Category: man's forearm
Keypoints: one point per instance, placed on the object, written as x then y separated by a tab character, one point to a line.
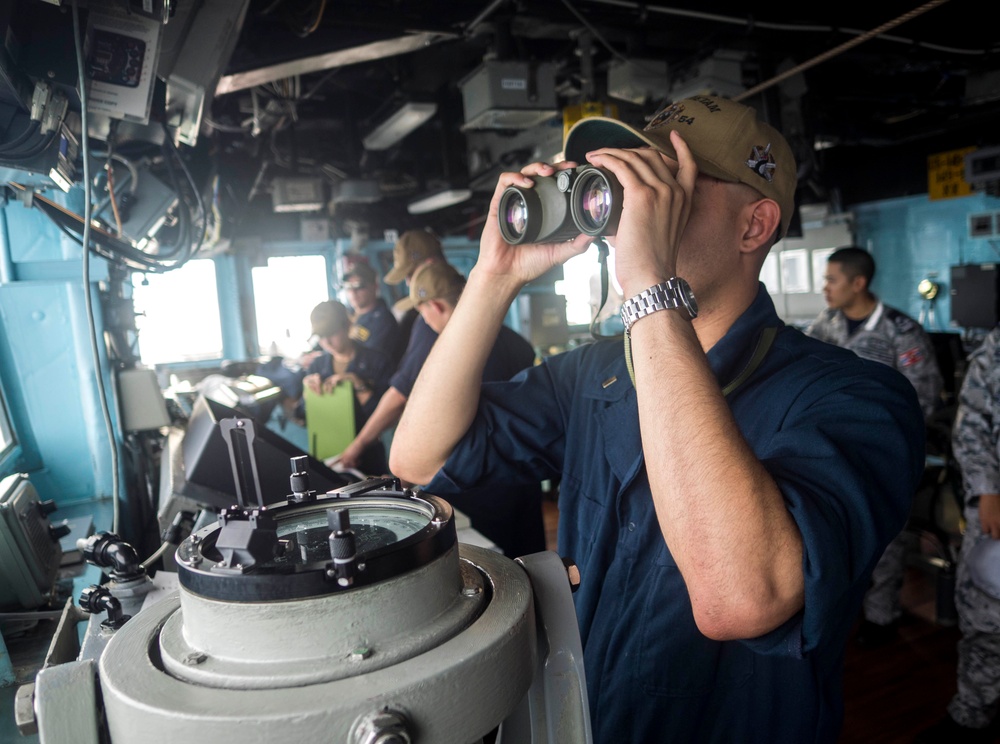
446	394
386	413
721	514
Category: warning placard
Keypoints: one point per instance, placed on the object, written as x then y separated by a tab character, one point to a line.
946	174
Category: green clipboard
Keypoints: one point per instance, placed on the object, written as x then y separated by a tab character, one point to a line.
330	420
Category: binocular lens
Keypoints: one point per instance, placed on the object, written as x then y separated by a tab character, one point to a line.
595	201
515	214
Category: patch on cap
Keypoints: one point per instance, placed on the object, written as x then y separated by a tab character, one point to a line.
762	163
671	112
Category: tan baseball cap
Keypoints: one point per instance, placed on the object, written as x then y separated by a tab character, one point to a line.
432	282
726	138
329	318
412	249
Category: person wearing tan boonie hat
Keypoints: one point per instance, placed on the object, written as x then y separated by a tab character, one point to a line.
413	248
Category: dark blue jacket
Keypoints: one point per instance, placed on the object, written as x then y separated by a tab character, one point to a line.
422	338
843	439
510	517
377	329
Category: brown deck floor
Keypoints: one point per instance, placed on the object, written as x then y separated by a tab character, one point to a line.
894	691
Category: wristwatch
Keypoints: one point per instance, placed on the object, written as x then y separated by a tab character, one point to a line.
673	294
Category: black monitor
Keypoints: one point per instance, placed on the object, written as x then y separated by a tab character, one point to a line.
207	462
975	296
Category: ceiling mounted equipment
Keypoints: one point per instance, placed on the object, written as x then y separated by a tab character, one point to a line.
509	95
297	194
397	125
438	200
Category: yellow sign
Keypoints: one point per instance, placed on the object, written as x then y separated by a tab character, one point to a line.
573	114
946	174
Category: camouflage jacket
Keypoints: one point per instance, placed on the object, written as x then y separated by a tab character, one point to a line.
890	337
976	433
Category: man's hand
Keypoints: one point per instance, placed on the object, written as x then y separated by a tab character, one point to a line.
351	456
332	381
989	514
519	264
658	197
312	382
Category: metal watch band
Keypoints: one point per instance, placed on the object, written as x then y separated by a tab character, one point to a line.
668	295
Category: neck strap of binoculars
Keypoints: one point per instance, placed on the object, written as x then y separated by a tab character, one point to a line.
595	324
764	341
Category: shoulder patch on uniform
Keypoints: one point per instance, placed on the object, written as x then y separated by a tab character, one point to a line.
910	357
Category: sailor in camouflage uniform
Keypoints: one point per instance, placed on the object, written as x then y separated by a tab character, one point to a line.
856	319
976	444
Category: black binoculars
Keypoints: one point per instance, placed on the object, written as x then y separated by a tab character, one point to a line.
584	200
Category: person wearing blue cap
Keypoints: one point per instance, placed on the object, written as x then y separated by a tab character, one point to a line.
726	484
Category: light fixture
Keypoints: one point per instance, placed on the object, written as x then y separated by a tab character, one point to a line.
406	118
438	200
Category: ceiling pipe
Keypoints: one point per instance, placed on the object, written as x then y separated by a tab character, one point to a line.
839	49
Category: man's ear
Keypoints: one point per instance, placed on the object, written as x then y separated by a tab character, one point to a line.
763	219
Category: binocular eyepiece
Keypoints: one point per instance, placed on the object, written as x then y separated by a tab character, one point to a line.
585	200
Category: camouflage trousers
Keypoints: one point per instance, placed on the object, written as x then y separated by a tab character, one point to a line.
975	703
881	604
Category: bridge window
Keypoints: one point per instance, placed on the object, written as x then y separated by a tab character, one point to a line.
285	292
178	314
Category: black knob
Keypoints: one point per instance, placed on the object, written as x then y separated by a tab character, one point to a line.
299	480
343	547
45	508
342	544
58	531
96	598
91	598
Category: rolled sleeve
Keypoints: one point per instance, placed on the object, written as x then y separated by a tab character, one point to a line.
848	482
